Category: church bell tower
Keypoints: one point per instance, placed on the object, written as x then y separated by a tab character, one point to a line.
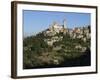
64	24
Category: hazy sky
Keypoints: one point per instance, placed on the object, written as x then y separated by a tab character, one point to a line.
36	21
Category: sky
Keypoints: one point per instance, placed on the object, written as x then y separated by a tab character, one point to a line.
37	21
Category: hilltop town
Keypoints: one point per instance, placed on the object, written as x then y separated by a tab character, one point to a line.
78	32
58	45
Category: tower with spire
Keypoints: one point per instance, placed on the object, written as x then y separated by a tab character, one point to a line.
64	24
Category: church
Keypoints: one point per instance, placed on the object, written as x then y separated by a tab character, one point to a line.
55	27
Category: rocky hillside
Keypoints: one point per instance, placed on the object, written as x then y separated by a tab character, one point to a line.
58	46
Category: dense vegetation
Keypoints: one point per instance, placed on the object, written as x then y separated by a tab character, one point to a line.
38	54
